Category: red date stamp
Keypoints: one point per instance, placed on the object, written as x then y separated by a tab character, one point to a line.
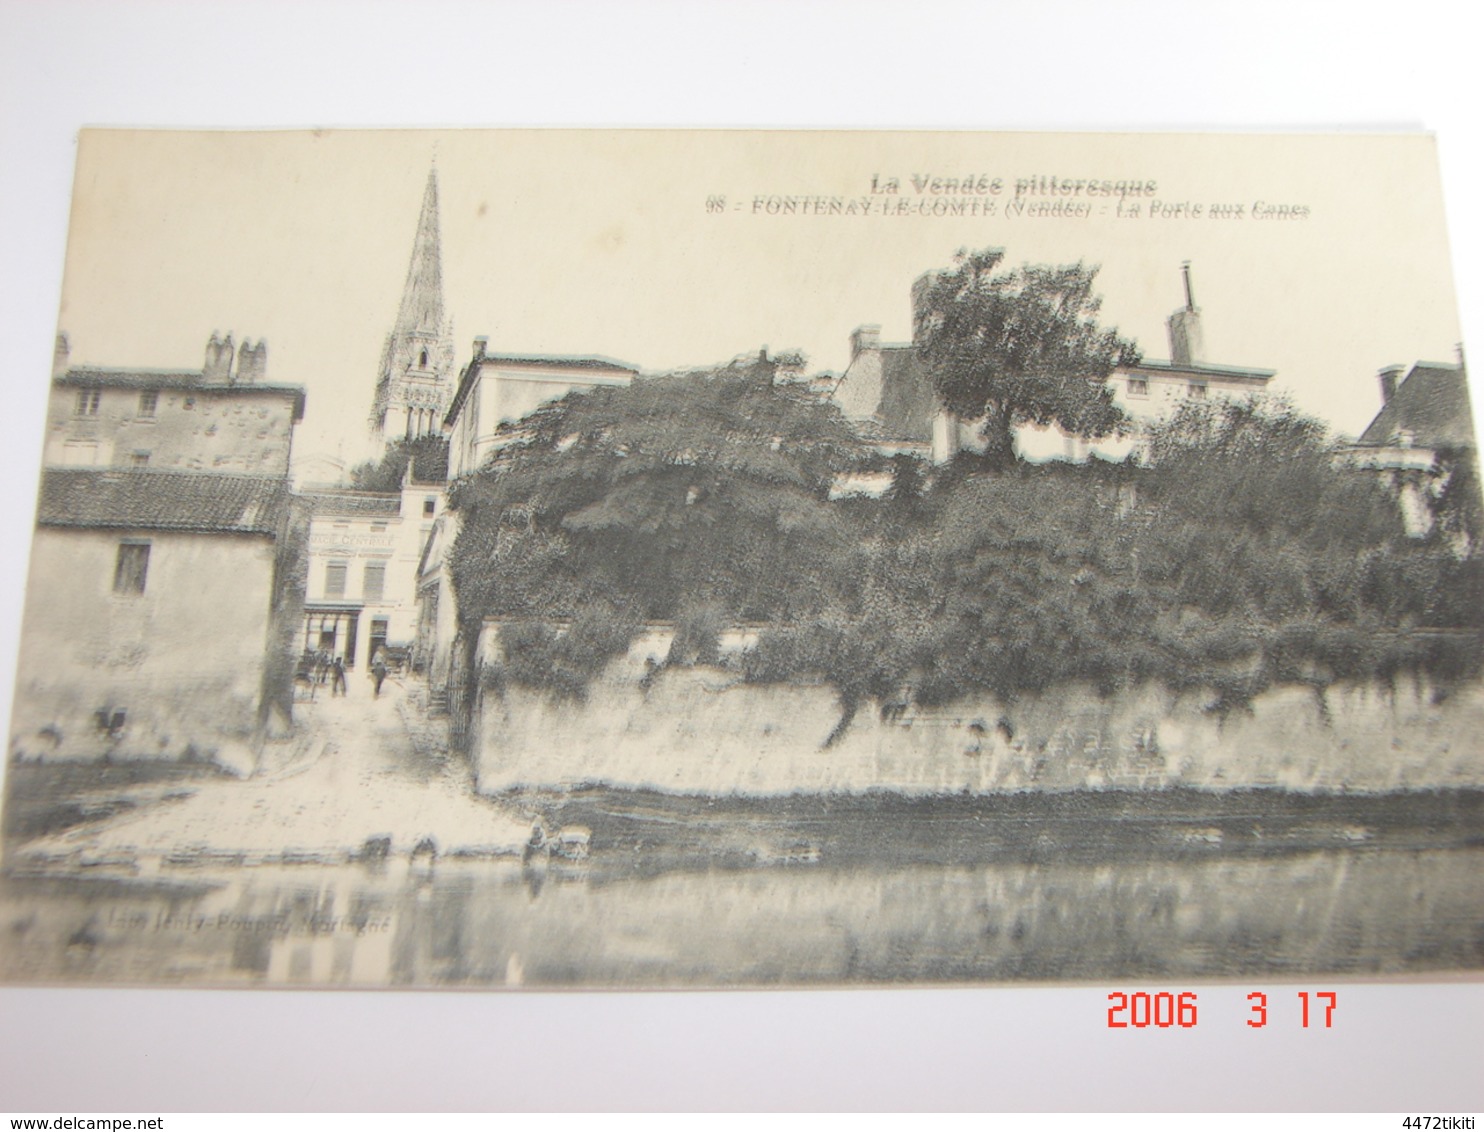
1164	1010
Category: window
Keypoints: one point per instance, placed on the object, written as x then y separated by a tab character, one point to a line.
148	401
1138	387
422	360
131	567
87	402
188	403
80	453
1198	390
139	459
373	584
335	579
430	505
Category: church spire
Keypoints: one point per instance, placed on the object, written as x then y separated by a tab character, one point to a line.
415	384
422	297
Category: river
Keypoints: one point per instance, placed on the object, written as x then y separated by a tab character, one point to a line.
788	895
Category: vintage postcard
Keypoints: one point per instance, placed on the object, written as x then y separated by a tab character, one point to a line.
653	559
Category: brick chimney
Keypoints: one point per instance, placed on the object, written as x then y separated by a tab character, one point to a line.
252	361
1390	378
864	338
218	358
1187	342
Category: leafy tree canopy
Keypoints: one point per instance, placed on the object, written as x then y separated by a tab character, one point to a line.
1016	347
428	456
702	488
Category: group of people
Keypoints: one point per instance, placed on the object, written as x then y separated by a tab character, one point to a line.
323	668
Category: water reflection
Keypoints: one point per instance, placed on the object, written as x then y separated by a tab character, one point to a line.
490	923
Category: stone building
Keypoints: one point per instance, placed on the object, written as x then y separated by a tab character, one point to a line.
166	577
219	418
154	616
888	394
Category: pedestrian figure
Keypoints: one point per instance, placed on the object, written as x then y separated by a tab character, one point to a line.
378	670
337	677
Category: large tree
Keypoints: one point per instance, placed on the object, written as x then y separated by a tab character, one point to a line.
705	489
1016	347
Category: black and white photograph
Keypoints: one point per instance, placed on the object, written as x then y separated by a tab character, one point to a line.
647	559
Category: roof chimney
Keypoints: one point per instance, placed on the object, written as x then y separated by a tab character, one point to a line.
252	361
1187	342
218	358
1390	378
479	347
60	353
864	338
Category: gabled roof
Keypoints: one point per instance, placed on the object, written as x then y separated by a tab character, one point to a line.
152	499
1431	405
908	400
99	377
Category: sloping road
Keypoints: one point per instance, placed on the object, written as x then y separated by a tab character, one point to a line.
353	773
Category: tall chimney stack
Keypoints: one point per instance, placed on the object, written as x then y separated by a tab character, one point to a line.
252	361
61	352
1390	378
864	338
218	358
1187	342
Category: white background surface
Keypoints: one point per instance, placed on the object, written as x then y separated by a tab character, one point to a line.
1260	65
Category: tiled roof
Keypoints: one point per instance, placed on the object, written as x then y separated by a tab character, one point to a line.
354	502
151	499
908	400
98	377
1432	404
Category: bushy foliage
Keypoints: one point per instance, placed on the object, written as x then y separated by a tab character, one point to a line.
1242	554
428	456
702	489
536	654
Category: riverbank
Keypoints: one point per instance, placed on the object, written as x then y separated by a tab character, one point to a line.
359	784
645	832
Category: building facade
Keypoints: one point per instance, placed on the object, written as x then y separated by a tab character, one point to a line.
364	551
164	593
224	417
